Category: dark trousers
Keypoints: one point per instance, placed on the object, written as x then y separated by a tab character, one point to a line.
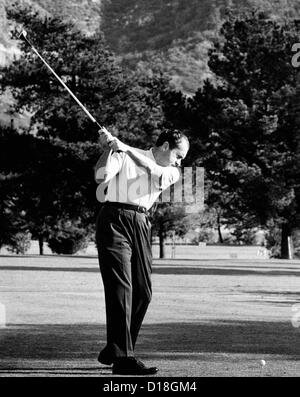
124	247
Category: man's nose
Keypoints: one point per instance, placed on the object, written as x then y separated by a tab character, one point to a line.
178	163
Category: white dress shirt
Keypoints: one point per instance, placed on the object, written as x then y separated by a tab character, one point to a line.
132	184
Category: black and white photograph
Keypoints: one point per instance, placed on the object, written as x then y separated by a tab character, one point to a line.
149	191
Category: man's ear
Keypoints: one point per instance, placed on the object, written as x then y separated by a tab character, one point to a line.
165	146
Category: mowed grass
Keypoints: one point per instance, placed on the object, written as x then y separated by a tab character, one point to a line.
206	318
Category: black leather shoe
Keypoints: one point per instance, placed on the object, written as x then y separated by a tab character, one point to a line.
103	358
131	366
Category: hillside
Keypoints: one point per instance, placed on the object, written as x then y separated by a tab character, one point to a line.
85	13
174	35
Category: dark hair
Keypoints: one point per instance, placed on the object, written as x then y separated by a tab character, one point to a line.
173	137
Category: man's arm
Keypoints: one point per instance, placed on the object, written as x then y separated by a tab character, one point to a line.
101	164
108	165
142	161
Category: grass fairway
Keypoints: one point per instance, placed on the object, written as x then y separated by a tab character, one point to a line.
206	318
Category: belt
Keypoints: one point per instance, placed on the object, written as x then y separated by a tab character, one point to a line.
126	206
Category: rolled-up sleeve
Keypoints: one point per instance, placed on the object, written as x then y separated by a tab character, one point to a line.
104	173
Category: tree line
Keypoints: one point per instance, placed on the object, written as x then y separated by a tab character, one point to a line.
243	127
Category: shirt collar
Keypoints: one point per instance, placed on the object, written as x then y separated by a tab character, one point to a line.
151	154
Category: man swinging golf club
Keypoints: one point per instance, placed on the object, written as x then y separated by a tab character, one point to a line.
130	180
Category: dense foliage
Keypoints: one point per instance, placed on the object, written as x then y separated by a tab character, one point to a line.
247	125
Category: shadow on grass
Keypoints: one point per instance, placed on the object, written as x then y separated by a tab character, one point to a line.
274	293
213	271
170	341
224	272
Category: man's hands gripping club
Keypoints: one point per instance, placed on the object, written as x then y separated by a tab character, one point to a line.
106	139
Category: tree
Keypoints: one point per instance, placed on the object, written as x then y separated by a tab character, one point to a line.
67	237
20	243
42	182
11	211
246	126
169	218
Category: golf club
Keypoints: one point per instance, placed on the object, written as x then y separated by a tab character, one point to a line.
107	133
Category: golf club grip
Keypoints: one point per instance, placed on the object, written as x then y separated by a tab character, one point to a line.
108	135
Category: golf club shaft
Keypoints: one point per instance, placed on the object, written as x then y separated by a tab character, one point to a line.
64	85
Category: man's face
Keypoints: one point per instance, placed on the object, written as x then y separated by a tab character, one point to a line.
172	157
